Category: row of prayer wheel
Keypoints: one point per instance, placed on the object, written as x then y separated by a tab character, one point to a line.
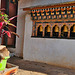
65	29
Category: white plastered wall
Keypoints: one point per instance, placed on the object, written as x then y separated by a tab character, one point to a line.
52	51
59	52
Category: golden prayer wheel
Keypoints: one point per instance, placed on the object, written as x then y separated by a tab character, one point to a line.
41	28
48	29
65	29
56	29
73	29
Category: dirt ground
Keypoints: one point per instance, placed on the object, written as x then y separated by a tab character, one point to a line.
36	68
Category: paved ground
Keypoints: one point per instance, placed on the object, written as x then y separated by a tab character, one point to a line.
35	68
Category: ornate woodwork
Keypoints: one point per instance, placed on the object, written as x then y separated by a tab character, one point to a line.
60	18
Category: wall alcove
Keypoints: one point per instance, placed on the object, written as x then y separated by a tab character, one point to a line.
55	31
72	31
47	31
64	31
40	31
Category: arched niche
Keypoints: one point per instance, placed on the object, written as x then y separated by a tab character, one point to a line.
47	31
55	31
64	31
40	31
72	31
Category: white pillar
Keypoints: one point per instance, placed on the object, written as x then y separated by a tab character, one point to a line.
20	31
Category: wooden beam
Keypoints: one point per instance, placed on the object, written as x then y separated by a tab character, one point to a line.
25	9
51	6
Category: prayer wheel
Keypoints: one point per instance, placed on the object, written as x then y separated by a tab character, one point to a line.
41	28
56	29
73	29
48	29
65	29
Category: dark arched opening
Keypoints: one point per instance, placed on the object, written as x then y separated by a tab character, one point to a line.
47	31
55	31
40	31
64	31
72	31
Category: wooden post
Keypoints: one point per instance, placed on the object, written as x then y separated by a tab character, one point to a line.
43	32
59	32
51	32
32	33
36	31
33	28
69	33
